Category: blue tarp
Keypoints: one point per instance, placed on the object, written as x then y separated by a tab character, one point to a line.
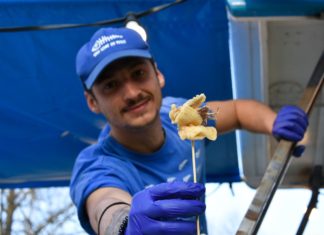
44	119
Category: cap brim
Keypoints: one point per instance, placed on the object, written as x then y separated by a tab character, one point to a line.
111	58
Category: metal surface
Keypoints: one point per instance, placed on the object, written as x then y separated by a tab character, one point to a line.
280	160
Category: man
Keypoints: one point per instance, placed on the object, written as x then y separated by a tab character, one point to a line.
138	178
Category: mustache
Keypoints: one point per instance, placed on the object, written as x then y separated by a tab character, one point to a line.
132	102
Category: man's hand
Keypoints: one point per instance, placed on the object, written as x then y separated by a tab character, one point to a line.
291	124
158	210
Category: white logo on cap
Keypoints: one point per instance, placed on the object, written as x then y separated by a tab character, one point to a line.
104	42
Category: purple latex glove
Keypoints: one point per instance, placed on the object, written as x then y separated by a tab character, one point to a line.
157	210
291	124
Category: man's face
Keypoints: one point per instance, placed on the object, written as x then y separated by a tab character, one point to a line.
128	93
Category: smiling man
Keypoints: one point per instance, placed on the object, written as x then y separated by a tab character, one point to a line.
138	178
128	93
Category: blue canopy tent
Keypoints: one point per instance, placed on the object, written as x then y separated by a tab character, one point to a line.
44	120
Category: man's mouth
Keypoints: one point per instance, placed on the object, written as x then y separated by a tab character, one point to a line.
138	106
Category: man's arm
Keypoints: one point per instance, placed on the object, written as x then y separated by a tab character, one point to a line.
290	123
243	114
111	218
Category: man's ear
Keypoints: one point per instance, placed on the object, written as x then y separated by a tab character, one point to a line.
92	102
160	77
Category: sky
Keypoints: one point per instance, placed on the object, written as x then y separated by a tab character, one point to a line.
225	211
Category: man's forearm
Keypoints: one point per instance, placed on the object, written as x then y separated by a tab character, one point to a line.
116	221
243	114
255	116
109	215
105	207
110	218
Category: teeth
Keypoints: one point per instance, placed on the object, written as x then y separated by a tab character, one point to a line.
191	119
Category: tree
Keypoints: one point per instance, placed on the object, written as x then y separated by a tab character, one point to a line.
37	212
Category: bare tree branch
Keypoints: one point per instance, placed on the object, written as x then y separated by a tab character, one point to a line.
11	207
37	211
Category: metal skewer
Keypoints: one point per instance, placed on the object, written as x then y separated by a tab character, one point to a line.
194	177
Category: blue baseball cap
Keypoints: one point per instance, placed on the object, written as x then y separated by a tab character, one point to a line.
106	46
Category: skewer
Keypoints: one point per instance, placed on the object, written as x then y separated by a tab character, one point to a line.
186	116
193	152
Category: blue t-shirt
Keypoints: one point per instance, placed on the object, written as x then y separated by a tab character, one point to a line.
109	164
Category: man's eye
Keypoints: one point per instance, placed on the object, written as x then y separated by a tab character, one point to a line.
110	85
139	74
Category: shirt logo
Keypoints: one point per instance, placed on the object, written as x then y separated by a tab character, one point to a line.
186	178
182	164
149	185
171	179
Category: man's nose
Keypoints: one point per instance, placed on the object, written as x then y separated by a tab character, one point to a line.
130	89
